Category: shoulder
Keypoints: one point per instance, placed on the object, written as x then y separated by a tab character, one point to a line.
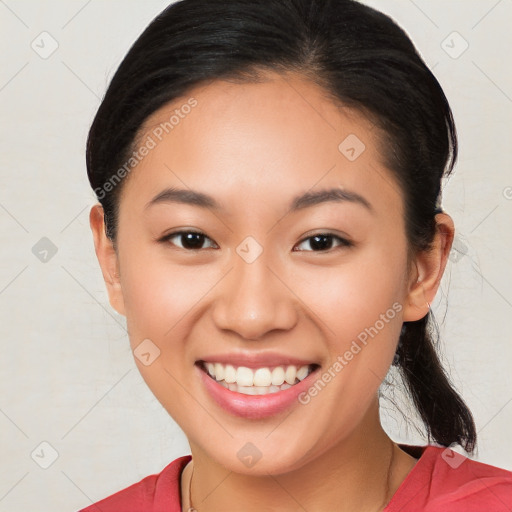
154	493
469	485
445	481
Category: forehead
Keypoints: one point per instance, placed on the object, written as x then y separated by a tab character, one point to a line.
280	136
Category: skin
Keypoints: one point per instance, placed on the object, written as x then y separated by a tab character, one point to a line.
254	147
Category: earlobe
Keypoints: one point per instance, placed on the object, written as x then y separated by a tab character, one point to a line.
107	258
429	268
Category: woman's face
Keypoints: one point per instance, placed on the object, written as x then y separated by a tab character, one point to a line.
303	261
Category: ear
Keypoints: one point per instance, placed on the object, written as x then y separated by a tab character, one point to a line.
428	270
107	257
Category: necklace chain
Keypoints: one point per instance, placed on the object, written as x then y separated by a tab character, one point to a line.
190	507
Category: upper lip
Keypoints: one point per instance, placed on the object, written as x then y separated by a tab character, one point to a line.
256	360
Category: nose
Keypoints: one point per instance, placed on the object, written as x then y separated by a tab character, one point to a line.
253	300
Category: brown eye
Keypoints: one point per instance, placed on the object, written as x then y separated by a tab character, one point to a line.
324	242
189	240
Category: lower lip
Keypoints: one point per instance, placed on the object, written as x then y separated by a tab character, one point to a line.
254	406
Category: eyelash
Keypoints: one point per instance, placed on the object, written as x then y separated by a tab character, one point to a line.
343	241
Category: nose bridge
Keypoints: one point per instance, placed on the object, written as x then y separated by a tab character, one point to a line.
252	300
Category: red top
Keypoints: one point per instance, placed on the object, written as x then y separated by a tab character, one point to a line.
441	481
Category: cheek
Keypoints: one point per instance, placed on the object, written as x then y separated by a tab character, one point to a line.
348	298
163	299
358	305
154	293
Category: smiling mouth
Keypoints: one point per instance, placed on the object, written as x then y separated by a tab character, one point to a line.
256	381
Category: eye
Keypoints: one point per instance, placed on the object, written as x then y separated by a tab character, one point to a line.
322	242
195	240
188	240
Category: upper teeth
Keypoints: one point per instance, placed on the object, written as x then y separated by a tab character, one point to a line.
244	376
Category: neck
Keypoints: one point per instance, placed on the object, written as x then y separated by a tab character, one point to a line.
361	473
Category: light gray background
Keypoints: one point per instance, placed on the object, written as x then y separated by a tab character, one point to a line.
68	376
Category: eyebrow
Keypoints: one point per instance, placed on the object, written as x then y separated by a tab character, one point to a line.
306	200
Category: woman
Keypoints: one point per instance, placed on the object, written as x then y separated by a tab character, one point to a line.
270	224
